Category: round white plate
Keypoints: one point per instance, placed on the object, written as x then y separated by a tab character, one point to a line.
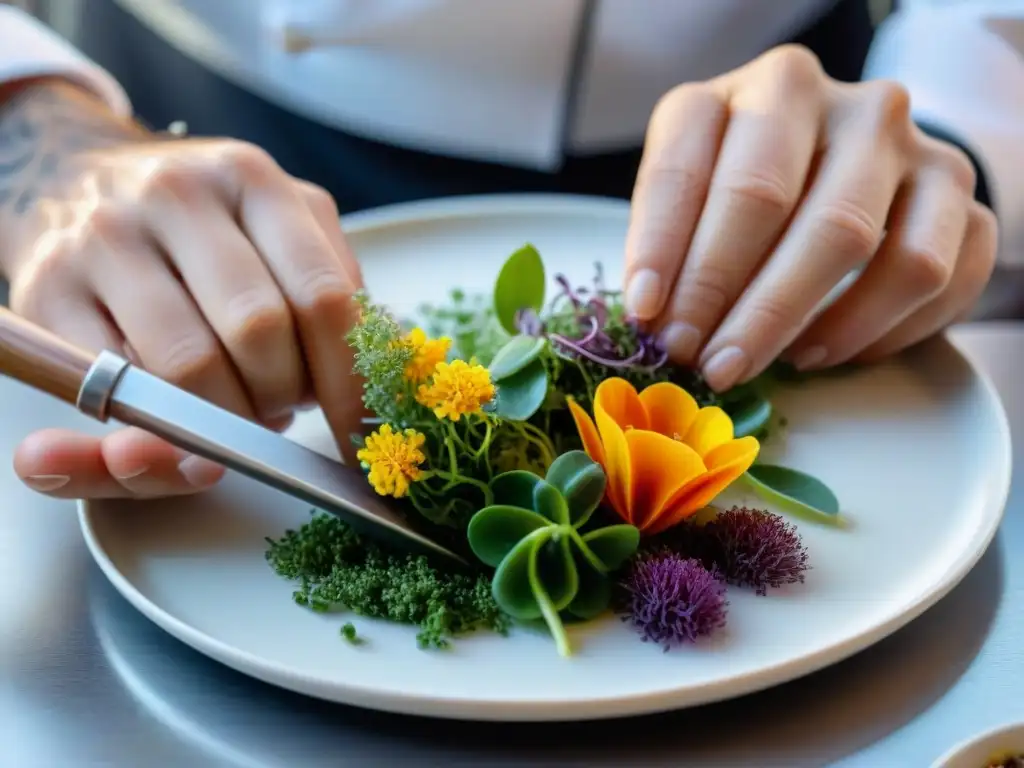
974	752
918	451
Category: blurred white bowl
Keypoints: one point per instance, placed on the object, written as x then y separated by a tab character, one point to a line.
974	752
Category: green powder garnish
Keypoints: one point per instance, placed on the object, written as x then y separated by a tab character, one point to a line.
339	570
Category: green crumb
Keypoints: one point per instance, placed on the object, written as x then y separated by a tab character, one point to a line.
348	631
337	569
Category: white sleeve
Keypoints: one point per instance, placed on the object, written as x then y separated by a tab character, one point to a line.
963	63
28	48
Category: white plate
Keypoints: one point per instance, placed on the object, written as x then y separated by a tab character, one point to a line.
918	451
974	752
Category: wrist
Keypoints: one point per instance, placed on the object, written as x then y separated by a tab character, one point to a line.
49	129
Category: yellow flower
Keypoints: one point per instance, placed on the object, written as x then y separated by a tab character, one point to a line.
664	456
426	354
394	459
456	389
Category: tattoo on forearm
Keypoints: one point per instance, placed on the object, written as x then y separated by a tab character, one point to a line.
44	129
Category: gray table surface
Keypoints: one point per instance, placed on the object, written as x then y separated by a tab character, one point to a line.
86	681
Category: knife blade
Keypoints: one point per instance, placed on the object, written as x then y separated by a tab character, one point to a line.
108	386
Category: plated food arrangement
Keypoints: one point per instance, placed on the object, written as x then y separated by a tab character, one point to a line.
552	442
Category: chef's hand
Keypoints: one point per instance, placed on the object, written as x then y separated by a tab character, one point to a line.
212	268
761	189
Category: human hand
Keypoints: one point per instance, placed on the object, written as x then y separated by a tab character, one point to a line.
761	190
205	263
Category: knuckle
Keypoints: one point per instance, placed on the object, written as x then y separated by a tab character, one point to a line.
248	160
320	200
256	323
887	106
796	66
889	98
926	270
765	190
185	360
848	230
684	99
707	293
110	224
174	179
675	187
953	163
324	295
773	316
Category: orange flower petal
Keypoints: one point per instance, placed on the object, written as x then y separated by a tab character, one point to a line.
616	461
710	428
726	463
670	409
734	452
659	467
588	432
619	400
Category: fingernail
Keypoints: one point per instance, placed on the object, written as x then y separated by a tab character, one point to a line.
198	472
131	475
643	294
281	424
681	341
47	483
725	368
810	357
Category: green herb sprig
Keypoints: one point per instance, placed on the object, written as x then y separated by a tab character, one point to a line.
339	570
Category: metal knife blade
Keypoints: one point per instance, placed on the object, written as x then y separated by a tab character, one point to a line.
114	388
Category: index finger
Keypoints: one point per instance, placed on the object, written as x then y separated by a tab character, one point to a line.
671	186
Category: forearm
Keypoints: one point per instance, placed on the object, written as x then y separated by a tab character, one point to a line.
48	126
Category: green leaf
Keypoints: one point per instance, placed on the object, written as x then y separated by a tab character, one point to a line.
515	488
494	531
557	571
518	353
594	593
795	491
520	285
581	482
511	585
751	417
613	545
547	501
522	394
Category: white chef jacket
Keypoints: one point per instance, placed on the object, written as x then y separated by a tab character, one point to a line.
487	79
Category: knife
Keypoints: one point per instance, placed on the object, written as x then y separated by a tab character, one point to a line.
107	386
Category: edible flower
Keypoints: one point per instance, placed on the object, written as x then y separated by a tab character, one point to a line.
394	460
457	389
755	548
426	354
672	600
664	455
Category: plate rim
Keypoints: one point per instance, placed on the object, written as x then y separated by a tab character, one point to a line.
550	709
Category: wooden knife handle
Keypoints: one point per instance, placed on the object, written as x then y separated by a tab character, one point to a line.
39	359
